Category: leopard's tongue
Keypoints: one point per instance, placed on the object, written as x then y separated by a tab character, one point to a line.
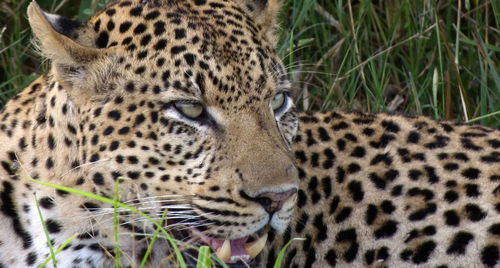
231	251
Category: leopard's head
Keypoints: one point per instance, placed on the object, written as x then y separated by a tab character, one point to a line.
189	101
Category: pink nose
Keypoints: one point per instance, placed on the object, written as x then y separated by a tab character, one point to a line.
273	202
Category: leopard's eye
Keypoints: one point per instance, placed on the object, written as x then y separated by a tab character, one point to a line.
189	110
278	101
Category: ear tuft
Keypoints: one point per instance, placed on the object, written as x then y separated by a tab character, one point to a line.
264	13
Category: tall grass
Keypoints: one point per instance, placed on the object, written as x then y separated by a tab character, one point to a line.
437	58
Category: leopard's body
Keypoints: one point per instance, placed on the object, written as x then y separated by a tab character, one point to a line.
186	104
379	190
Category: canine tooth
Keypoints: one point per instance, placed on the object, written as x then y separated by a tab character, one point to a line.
254	248
224	252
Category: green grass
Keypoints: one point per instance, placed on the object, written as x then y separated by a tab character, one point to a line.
436	58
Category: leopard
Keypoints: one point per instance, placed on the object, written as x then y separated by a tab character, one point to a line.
164	125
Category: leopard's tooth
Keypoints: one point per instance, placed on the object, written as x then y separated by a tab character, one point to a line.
224	252
254	248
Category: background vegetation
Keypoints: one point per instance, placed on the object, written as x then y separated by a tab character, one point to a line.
438	58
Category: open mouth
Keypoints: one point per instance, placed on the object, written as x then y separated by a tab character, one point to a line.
230	251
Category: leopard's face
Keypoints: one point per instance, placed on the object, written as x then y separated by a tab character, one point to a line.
189	101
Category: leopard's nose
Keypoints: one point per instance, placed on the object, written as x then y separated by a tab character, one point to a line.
273	202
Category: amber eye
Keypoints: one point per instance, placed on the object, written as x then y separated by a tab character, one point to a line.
189	110
278	101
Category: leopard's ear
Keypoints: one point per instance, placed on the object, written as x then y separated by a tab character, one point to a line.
264	13
59	38
70	46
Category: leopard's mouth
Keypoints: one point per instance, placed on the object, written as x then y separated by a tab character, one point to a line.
229	251
244	249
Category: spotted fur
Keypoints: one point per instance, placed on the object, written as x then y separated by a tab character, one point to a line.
379	190
368	190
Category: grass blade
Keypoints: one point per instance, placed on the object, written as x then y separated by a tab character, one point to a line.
279	260
204	260
178	254
52	255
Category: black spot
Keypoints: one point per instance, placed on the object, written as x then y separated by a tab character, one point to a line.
159	28
369	256
358	152
388	229
353	168
98	178
371	214
190	58
340	126
51	141
397	190
140	28
390	126
356	190
108	131
387	207
343	214
331	257
160	44
381	158
423	252
451	166
439	142
468	144
30	259
323	134
115	115
494	229
431	174
490	255
451	196
321	227
53	226
379	182
474	212
114	145
406	254
385	139
136	11
49	163
177	49
413	137
152	15
348	235
471	173
451	218
330	158
429	230
102	40
421	214
46	202
180	33
123	130
414	174
472	190
459	243
334	204
383	253
368	131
